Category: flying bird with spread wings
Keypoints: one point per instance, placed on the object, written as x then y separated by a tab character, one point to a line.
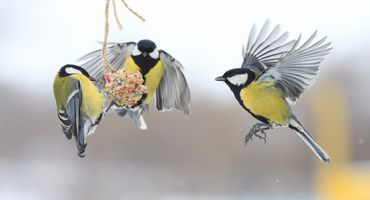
274	74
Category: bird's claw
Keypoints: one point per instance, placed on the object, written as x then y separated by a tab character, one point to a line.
261	134
257	130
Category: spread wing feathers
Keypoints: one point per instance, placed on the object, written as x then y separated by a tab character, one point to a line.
295	72
265	49
117	54
173	91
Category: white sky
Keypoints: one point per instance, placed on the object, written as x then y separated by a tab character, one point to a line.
38	37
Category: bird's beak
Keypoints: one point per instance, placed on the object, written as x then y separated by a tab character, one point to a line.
92	78
220	78
145	54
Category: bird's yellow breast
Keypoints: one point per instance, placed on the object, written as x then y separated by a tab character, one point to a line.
130	66
152	78
263	99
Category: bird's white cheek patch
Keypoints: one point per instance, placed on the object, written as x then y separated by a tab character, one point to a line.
154	54
71	70
238	79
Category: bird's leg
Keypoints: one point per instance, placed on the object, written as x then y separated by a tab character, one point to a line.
102	115
259	131
107	108
145	109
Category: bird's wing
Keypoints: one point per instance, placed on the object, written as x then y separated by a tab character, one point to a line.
173	91
73	124
65	122
117	53
297	70
264	49
70	114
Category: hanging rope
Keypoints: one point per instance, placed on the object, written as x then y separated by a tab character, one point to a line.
106	65
119	24
132	11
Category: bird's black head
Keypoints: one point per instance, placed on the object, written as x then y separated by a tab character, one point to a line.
146	46
146	49
145	55
237	78
69	69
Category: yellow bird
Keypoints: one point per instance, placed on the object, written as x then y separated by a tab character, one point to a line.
273	76
161	73
79	104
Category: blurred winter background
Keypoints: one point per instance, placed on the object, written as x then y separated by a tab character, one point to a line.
201	156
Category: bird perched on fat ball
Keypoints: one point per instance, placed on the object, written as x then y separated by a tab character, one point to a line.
273	76
79	104
161	73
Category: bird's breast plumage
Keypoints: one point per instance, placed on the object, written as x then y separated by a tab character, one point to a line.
267	101
152	75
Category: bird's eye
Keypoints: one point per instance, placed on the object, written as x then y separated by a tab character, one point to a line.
154	54
136	51
238	79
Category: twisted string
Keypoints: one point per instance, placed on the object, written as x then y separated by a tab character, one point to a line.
106	64
132	11
119	24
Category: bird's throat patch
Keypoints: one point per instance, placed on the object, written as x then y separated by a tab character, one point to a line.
145	63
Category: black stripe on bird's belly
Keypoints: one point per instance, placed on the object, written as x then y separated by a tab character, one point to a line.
236	91
145	63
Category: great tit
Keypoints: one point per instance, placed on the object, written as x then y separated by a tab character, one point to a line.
273	75
161	73
79	103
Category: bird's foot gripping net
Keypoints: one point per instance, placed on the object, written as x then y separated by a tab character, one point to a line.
257	130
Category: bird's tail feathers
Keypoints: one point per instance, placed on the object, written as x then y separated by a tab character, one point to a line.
134	115
85	129
307	138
